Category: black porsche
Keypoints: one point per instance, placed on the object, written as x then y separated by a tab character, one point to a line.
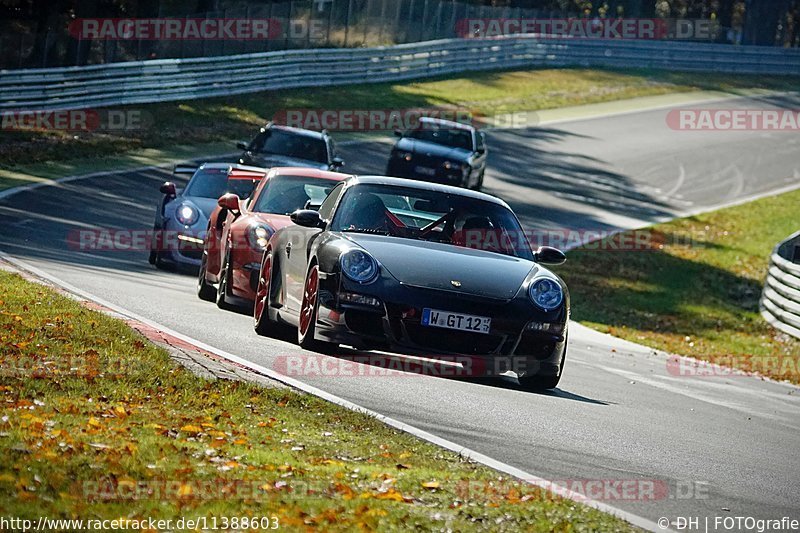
417	268
440	151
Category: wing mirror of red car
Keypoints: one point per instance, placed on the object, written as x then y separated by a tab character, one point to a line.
229	201
168	189
549	256
307	218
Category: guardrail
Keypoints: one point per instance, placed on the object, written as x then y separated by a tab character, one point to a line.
780	300
184	79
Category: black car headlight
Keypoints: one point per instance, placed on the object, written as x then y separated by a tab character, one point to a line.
359	266
187	214
403	155
546	293
258	236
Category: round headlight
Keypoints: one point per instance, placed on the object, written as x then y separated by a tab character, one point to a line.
546	293
258	236
186	214
359	266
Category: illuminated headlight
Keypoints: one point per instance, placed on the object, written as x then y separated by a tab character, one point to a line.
186	214
403	155
258	236
546	293
359	266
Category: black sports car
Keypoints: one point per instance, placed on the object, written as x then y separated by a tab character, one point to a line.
283	146
440	151
411	267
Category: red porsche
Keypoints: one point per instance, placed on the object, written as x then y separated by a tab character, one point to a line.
239	230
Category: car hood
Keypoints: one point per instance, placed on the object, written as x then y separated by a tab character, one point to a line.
205	205
273	160
432	150
436	266
274	221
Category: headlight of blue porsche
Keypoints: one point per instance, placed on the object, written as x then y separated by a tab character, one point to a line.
359	266
546	293
186	214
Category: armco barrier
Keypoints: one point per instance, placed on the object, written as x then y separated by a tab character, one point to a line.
780	300
185	79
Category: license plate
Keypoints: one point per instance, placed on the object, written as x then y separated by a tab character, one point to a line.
425	171
459	321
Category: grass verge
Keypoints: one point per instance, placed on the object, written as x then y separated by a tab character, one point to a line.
199	122
97	423
696	295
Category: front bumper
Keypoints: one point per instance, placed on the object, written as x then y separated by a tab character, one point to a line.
409	169
396	326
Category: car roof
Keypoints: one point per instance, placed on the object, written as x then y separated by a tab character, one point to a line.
232	167
298	131
308	172
448	123
427	186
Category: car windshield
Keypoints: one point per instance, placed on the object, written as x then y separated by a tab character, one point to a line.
289	144
285	194
434	133
214	182
450	218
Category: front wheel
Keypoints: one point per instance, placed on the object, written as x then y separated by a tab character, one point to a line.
262	323
205	291
222	286
308	315
538	382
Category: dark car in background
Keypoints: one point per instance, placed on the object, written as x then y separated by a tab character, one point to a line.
284	146
440	151
182	215
410	267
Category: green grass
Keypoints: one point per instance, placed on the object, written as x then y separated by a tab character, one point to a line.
198	122
93	414
698	294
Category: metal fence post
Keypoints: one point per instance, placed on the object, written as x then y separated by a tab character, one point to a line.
347	21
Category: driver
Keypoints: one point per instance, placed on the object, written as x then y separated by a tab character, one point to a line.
369	212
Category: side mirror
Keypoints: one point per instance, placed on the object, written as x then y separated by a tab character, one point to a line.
229	201
168	189
337	162
242	145
398	133
307	218
549	256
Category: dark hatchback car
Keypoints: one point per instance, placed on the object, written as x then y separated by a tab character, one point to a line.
284	146
440	151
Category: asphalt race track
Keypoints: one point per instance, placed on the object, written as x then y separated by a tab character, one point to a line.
725	446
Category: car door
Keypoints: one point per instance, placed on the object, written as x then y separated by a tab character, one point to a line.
295	252
480	153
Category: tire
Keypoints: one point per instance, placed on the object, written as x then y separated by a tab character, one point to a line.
261	321
479	185
308	315
222	286
205	291
541	383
